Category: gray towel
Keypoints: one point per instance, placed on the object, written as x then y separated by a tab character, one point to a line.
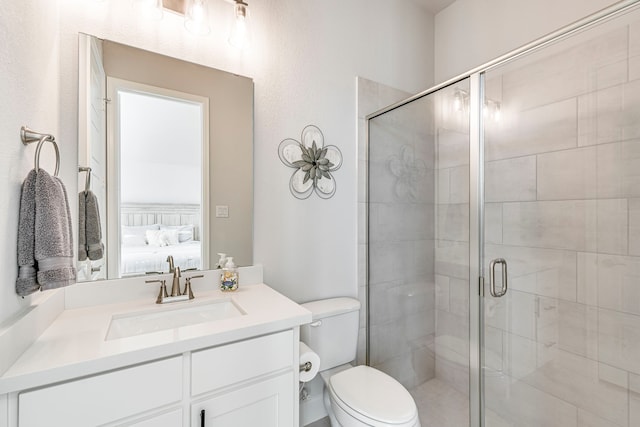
89	230
82	235
45	242
54	239
26	283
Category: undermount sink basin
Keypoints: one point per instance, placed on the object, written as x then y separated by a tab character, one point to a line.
183	314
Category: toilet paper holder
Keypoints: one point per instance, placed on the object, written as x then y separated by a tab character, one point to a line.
306	367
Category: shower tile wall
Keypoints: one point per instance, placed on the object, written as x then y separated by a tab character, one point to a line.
401	243
562	186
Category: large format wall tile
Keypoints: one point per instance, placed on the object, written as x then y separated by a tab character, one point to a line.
543	129
396	222
511	180
587	285
610	115
452	259
568	326
493	223
618	283
547	272
557	224
453	222
634	400
452	149
619	340
634	226
577	380
515	312
550	75
612	226
619	169
569	174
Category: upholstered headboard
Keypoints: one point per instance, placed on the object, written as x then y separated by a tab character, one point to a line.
157	213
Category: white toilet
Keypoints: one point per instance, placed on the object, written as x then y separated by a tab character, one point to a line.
353	396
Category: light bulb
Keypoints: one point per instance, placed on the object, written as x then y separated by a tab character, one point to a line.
149	9
240	36
196	18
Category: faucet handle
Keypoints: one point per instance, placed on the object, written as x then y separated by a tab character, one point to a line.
187	285
163	289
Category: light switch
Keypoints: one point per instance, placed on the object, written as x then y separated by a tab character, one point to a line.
222	211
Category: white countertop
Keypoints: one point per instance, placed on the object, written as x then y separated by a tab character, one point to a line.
74	344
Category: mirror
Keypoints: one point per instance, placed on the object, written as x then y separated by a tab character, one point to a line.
166	150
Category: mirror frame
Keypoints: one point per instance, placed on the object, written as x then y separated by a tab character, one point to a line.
231	131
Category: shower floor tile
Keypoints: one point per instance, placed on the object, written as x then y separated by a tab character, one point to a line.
440	405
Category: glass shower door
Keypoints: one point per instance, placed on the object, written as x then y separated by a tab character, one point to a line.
562	220
418	245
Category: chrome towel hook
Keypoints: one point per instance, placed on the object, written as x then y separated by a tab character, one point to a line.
28	136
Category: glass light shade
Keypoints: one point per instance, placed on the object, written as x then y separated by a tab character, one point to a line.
240	36
149	9
196	18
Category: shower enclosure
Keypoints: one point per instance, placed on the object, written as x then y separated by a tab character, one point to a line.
503	284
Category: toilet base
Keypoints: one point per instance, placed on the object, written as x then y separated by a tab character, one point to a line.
345	419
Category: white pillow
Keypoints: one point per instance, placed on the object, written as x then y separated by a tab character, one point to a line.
162	237
185	232
155	238
169	237
135	235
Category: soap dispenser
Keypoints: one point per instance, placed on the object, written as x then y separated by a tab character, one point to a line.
229	276
222	260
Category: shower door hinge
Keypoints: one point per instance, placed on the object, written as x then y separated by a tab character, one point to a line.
481	286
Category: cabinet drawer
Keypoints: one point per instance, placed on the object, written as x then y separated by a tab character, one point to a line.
103	398
221	366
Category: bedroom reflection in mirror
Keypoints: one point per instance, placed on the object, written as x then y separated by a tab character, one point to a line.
157	144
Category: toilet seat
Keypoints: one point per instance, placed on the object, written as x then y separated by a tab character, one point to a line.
372	397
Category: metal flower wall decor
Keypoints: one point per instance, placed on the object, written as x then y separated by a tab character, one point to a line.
313	163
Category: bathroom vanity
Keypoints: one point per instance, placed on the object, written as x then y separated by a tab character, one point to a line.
220	359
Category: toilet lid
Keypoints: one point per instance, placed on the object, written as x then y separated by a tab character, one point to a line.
373	394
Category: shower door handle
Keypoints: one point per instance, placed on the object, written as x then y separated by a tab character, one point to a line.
492	277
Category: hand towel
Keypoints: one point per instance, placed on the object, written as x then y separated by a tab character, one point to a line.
27	283
82	235
53	236
93	229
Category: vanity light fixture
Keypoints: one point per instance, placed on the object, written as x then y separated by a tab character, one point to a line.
196	17
149	9
491	110
240	36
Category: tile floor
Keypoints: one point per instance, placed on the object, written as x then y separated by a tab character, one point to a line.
439	405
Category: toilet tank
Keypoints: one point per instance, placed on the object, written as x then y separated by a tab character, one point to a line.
333	332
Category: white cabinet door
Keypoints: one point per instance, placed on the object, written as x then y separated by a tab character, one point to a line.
268	403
